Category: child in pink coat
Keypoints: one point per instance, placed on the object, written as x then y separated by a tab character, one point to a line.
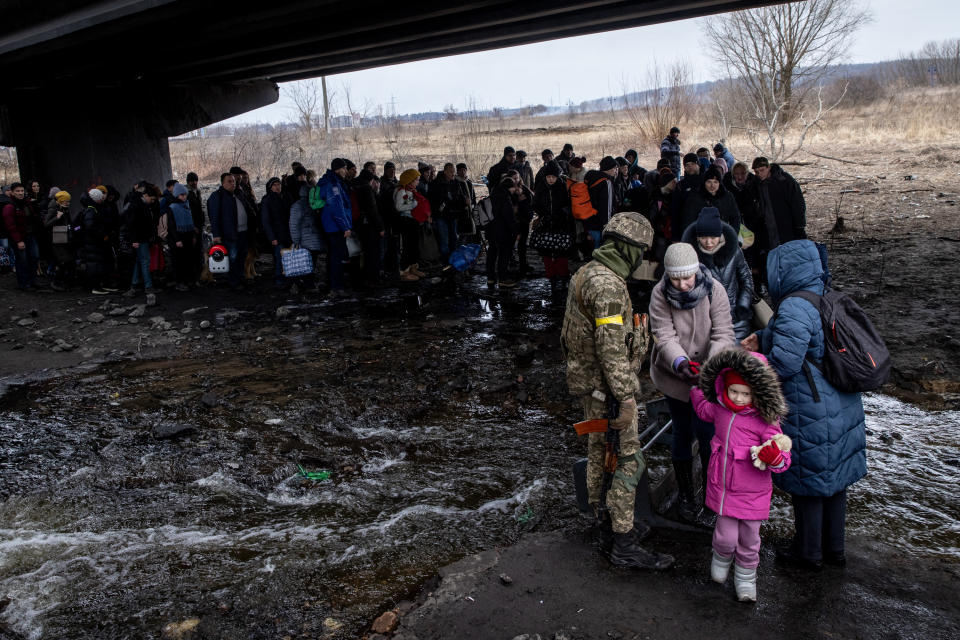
740	394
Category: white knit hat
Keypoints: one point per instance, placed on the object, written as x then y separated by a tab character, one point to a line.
96	195
681	261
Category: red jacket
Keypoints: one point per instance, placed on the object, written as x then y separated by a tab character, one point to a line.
15	220
421	212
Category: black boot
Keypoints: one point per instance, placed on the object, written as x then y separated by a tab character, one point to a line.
706	518
686	506
627	552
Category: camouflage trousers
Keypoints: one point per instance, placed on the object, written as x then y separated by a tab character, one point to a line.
630	467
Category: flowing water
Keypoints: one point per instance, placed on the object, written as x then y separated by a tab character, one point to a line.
108	530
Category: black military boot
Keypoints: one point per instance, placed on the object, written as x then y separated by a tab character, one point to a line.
605	530
628	553
687	507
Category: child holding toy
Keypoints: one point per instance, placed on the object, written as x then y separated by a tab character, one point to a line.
740	394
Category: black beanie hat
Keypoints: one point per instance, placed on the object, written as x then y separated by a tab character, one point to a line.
708	222
674	130
389	165
622	162
690	157
338	163
568	147
718	148
366	176
551	169
608	163
192	177
350	164
508	150
271	181
546	152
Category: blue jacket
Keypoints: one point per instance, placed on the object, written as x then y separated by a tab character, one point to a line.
303	226
829	436
222	209
336	214
728	158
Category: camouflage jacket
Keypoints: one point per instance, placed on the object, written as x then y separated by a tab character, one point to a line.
603	348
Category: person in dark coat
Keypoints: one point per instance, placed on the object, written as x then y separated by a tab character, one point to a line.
688	185
719	251
371	229
230	219
503	233
670	150
448	200
391	223
741	184
65	259
496	172
275	220
524	169
600	186
827	426
139	230
711	194
551	205
95	244
781	208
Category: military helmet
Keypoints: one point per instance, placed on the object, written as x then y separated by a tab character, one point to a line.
629	227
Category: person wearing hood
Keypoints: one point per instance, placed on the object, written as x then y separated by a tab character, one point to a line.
720	151
690	319
719	251
621	184
602	197
711	193
566	155
633	159
604	348
827	426
182	237
22	227
304	232
551	205
524	169
275	222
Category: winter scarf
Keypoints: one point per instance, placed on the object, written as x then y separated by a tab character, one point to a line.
619	257
688	299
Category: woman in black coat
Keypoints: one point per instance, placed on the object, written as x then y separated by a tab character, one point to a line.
503	233
711	194
719	251
551	205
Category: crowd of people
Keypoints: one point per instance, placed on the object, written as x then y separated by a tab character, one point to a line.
403	222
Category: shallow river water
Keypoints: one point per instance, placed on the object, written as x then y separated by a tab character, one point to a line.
108	530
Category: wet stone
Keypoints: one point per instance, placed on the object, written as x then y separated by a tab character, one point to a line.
505	579
386	623
27	322
204	324
138	311
151	299
180	630
171	430
95	317
117	311
133	320
209	399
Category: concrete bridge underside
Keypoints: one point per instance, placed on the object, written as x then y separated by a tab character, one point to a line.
92	90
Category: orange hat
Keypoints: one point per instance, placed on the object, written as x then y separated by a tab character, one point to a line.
408	176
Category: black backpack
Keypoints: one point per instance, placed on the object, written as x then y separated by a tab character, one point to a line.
854	357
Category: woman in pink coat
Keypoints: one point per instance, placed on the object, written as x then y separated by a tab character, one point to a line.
740	394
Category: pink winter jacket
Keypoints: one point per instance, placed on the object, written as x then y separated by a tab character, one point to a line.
735	488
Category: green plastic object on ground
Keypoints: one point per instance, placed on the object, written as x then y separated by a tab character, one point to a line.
314	475
524	517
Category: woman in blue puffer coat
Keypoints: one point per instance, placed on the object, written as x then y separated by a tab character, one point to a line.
826	425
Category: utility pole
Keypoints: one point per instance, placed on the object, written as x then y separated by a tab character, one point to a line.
326	106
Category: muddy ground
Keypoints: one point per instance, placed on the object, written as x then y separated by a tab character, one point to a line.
429	349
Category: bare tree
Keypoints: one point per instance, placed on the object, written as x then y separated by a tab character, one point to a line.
356	113
307	98
667	103
780	55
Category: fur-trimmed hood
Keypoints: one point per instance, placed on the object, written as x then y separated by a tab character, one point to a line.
768	398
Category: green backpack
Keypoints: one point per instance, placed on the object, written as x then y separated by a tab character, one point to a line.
315	199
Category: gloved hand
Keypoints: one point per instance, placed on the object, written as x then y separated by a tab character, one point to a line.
687	374
628	411
771	455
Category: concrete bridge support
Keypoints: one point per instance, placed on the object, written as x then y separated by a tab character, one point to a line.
84	136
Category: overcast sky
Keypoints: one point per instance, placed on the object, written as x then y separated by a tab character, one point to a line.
599	65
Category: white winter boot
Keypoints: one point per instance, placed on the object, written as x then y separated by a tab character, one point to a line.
745	583
720	567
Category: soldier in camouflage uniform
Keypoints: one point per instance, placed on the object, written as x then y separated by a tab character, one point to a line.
604	351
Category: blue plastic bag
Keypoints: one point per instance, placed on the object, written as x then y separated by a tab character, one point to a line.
464	256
